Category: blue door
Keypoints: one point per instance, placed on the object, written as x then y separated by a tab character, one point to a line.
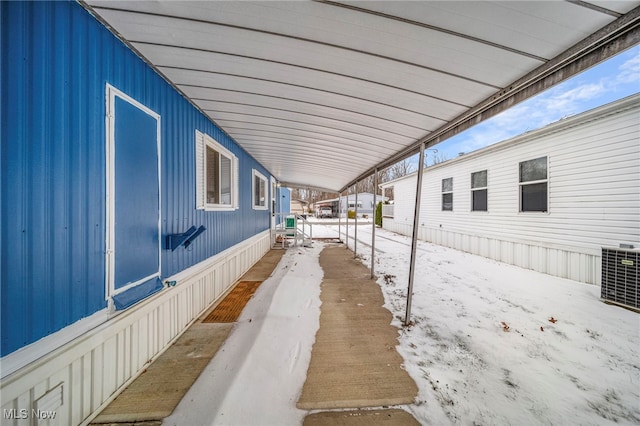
135	204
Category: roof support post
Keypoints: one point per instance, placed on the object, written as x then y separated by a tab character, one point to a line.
355	225
346	221
373	223
414	235
339	218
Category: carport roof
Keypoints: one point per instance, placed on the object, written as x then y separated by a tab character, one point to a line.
323	92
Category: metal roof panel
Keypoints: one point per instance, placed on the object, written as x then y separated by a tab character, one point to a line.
366	82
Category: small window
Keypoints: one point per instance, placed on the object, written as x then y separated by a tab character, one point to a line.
216	175
274	187
479	191
259	191
533	185
447	194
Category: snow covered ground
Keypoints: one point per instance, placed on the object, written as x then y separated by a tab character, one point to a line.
490	343
258	373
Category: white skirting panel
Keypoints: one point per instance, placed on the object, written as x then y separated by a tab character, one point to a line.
87	373
579	264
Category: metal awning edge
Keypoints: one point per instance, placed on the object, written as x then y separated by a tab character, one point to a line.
611	39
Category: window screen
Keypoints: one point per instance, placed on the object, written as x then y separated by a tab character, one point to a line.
447	194
213	176
259	191
479	191
216	174
533	185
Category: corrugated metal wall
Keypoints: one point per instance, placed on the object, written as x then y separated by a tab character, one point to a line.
56	61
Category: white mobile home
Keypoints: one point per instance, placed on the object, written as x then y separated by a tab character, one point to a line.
365	204
547	200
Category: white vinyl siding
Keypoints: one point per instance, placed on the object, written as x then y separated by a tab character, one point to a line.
593	193
216	175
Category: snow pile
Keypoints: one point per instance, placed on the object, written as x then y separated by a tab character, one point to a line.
258	373
496	344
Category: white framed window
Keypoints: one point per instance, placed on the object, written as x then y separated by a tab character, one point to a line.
533	185
259	191
274	190
479	191
447	194
216	175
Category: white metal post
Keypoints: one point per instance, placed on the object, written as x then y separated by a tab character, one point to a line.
339	218
346	221
414	236
355	225
373	227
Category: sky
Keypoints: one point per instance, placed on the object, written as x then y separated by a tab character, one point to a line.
613	79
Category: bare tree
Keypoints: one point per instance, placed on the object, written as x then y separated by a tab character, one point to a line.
368	184
401	168
436	157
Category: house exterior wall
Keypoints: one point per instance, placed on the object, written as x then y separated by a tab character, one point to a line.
365	200
57	61
99	363
593	196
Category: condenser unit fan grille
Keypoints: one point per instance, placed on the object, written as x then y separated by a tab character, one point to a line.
620	277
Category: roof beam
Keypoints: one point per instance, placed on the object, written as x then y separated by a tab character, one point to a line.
596	8
619	35
307	187
431	27
288	36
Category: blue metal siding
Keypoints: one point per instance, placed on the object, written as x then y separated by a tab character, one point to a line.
52	176
56	60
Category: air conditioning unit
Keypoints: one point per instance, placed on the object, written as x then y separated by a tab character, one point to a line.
620	275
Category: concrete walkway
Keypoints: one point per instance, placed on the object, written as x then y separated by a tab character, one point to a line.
354	366
158	390
354	363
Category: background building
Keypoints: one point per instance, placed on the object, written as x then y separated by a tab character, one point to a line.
342	204
547	200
